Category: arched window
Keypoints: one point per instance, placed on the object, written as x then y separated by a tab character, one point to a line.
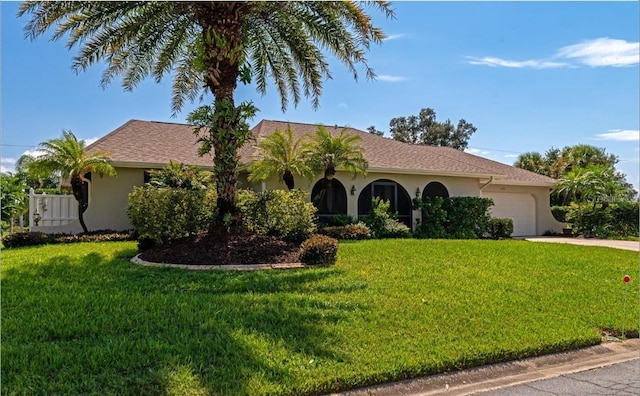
433	190
387	190
330	197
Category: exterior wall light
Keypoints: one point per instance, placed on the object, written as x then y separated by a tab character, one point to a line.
418	192
353	190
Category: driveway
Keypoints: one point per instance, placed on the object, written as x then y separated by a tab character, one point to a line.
626	245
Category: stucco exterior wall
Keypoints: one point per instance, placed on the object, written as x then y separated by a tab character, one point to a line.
108	199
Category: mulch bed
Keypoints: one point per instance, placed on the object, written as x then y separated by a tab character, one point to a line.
230	249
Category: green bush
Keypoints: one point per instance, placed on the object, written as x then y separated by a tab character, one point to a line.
285	214
500	227
454	218
383	223
395	229
560	213
163	214
20	239
619	219
338	220
319	250
349	231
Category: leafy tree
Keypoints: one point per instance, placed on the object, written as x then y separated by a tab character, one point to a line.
372	129
284	156
209	47
425	129
585	173
68	156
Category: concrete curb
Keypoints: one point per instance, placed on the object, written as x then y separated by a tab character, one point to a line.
496	376
241	267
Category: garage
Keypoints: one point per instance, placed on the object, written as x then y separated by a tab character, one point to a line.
519	207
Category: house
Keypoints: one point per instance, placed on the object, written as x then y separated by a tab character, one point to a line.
397	172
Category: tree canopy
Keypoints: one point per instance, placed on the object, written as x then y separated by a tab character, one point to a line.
584	173
425	129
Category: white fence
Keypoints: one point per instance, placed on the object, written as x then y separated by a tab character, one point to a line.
51	210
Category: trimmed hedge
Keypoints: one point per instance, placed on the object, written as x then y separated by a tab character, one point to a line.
349	231
21	239
453	218
285	214
500	227
319	250
160	215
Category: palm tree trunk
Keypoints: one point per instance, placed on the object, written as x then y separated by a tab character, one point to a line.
78	194
287	176
222	38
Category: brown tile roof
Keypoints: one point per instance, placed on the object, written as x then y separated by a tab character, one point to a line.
152	144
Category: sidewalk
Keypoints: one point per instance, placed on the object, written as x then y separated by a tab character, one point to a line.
501	375
626	245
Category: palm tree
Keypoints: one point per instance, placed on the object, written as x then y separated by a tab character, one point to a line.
68	156
284	156
210	46
532	161
341	151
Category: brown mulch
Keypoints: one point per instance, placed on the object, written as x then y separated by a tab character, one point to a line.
229	249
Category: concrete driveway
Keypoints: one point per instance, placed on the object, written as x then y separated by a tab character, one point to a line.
626	245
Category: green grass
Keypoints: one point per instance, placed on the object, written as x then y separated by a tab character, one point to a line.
82	319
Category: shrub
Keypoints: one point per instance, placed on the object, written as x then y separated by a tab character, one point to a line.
285	214
20	239
500	227
619	219
395	229
338	220
319	250
349	231
455	217
560	213
163	214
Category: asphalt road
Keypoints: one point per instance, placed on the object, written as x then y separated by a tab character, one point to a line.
617	379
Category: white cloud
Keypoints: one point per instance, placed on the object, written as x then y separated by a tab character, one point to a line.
390	78
343	105
8	160
33	153
598	52
394	37
621	135
511	156
90	140
5	169
476	151
495	62
603	52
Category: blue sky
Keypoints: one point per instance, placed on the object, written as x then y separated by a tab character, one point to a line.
530	76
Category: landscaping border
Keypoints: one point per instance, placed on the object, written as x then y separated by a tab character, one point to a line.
238	267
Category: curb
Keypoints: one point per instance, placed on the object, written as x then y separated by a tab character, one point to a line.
239	267
501	375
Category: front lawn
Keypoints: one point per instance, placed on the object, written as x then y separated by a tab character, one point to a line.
82	319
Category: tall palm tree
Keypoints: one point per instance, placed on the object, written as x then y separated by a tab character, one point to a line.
340	151
68	156
209	46
282	155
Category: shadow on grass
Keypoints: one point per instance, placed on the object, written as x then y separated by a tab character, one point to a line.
88	324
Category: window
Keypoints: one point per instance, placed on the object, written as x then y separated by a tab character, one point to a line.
330	197
387	190
433	190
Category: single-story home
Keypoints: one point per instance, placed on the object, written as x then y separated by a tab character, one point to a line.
397	172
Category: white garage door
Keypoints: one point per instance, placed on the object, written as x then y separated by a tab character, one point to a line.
519	207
